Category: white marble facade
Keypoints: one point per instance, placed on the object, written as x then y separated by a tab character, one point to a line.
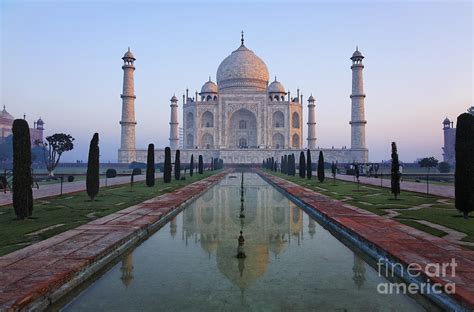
243	118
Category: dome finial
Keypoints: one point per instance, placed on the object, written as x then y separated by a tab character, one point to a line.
242	37
128	49
275	77
209	77
357	48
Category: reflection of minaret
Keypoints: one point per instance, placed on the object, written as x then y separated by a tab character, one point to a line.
359	271
311	227
173	227
127	269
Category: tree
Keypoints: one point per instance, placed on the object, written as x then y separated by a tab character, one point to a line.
285	166
177	165
200	165
309	164
150	166
302	166
167	166
191	166
22	178
395	172
92	177
321	167
334	171
444	167
464	175
54	146
428	162
282	163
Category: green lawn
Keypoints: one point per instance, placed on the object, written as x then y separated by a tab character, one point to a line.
61	213
376	200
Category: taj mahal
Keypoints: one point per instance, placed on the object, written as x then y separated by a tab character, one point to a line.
243	118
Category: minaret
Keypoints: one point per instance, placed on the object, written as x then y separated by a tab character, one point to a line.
311	123
357	114
127	152
174	131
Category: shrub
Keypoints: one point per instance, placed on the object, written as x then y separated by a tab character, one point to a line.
70	178
191	166
200	165
167	167
111	173
150	166
92	178
395	172
136	171
302	166
444	167
321	167
464	176
135	164
22	178
177	165
309	165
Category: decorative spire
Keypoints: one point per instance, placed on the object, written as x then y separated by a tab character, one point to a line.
242	37
209	78
128	49
4	107
357	48
275	78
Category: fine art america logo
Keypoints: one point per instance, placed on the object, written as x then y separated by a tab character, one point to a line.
414	271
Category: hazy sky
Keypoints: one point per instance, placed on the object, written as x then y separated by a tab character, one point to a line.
62	61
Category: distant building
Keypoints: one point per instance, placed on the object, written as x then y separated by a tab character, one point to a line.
6	124
449	141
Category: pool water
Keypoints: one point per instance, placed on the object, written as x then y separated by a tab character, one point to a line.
292	262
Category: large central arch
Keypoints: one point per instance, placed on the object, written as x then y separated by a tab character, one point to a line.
243	129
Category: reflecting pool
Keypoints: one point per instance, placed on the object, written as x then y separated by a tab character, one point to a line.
291	263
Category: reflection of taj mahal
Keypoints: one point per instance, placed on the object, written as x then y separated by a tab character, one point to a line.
269	226
243	118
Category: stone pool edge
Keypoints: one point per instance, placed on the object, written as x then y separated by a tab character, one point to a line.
160	210
360	241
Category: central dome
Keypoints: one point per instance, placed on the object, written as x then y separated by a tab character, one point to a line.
242	69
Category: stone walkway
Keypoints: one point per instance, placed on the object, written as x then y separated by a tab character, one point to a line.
434	189
33	277
402	243
54	189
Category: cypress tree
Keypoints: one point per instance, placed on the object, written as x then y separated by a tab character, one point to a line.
293	165
464	175
150	165
282	163
167	166
285	167
200	165
191	166
302	167
395	172
22	178
321	167
309	165
92	180
273	164
177	165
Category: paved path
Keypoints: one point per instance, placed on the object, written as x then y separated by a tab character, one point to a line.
71	187
39	274
434	189
403	244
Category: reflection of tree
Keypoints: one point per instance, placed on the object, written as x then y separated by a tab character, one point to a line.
127	270
359	271
311	227
173	227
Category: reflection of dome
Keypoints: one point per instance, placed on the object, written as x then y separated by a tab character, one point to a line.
276	87
278	243
209	242
253	266
209	87
242	69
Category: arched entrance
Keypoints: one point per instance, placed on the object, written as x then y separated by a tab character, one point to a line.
243	129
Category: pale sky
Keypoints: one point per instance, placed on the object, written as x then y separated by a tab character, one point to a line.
62	61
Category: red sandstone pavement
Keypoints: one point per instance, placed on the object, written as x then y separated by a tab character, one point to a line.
34	272
54	189
405	244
